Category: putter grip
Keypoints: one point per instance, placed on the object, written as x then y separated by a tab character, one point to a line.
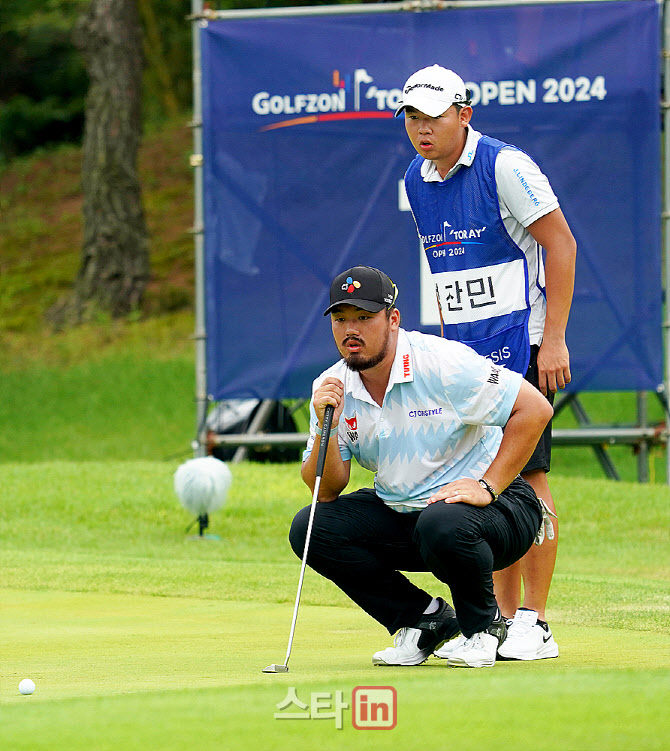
325	437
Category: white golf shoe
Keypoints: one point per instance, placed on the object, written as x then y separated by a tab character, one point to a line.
405	650
414	645
479	650
448	648
528	638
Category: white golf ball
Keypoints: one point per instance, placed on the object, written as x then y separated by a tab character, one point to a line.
26	687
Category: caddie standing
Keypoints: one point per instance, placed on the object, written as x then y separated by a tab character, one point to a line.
484	212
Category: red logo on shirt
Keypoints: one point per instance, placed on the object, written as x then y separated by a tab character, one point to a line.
405	366
352	428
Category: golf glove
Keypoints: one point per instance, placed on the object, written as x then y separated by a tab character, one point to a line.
547	526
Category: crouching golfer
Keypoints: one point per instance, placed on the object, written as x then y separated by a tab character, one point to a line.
425	414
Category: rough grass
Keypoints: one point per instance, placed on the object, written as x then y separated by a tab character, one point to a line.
122	407
40	214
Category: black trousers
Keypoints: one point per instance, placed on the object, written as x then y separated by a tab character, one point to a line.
362	546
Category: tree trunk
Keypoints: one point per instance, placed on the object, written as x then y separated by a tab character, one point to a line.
115	255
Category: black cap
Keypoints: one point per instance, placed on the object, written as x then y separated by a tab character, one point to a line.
364	287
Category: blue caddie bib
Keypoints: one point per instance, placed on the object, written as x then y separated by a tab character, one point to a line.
480	273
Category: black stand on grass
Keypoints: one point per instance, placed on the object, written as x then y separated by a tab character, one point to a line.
202	521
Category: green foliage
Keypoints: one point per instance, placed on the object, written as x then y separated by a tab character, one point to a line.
169	57
43	82
26	123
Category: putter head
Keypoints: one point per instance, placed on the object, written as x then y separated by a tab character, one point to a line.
276	669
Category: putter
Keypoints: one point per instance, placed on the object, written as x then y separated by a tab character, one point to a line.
320	462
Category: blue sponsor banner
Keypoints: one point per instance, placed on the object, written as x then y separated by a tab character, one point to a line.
303	160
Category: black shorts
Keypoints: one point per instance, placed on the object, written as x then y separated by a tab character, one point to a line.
541	458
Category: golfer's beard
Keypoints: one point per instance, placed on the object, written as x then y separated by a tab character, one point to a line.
358	362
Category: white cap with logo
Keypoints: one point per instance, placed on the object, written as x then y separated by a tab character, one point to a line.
433	90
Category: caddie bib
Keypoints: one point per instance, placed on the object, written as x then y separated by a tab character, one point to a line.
480	273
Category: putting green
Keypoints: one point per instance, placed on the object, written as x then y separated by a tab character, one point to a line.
123	672
77	644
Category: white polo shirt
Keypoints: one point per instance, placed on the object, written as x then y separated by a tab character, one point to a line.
441	418
524	196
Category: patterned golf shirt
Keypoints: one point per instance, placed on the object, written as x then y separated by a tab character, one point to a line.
441	418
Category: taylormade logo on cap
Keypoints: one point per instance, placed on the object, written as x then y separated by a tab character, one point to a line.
433	90
423	85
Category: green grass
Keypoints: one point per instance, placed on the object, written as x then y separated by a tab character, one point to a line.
99	410
160	673
604	409
138	636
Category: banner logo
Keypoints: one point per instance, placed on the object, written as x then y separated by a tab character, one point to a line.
355	96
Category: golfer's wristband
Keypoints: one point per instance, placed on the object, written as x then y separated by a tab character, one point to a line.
486	486
333	431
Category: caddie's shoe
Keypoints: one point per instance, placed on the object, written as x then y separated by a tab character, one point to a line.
449	647
479	651
414	645
528	638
